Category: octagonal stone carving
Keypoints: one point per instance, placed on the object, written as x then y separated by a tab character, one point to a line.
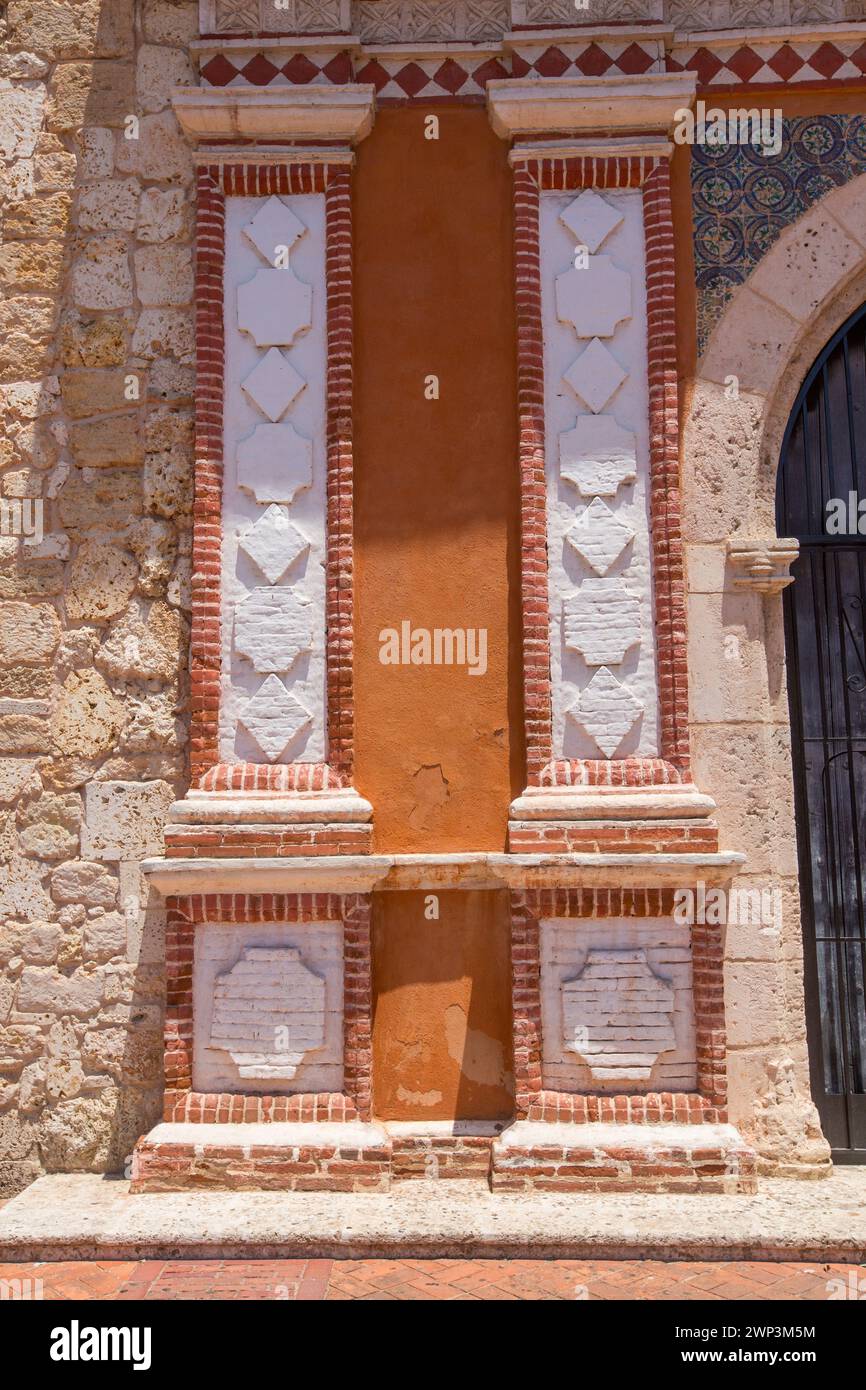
274	307
268	1013
618	1016
275	462
594	300
272	628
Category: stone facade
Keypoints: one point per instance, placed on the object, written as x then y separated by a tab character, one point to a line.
96	388
177	641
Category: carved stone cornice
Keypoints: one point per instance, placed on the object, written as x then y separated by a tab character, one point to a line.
580	105
762	565
343	114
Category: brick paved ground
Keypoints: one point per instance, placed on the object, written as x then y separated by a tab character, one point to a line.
435	1279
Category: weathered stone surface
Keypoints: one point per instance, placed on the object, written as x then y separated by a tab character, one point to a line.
170	21
36	942
85	29
91	885
23	733
171	381
153	542
22	890
18	779
47	991
100	93
101	277
108	499
49	826
97	152
36	266
104	937
163	214
125	820
88	719
163	333
20	119
109	206
38	217
159	71
107	443
154	724
161	151
27	327
101	582
146	644
92	342
29	633
92	392
55	166
168	464
164	275
75	1136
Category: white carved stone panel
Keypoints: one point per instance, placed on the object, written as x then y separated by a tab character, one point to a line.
606	710
275	462
617	1005
601	621
274	543
617	1016
599	536
268	1013
594	299
272	628
598	456
268	1008
602	642
273	705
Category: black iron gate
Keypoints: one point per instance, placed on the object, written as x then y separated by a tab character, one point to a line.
822	482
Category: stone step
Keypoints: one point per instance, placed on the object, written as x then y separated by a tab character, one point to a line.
535	1156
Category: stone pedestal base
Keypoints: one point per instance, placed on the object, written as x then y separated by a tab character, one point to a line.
229	824
352	1157
622	1158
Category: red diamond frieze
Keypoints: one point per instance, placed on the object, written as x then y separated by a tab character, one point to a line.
451	76
219	72
745	63
299	69
411	79
593	62
259	71
827	59
786	62
552	63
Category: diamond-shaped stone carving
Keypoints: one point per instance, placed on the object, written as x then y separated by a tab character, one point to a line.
607	710
618	1016
273	384
597	456
274	718
599	536
595	375
274	543
601	621
268	1012
590	219
593	300
274	307
273	226
275	462
272	628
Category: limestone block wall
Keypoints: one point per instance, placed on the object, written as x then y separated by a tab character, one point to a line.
96	382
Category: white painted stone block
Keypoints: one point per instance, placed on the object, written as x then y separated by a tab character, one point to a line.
617	1005
274	717
274	226
590	218
274	543
272	628
595	298
601	621
124	820
606	709
275	462
596	375
599	536
273	384
598	456
274	307
290	979
268	1013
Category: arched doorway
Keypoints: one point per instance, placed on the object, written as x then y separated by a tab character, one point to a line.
821	490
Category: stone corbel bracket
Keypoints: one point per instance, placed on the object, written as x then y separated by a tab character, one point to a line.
279	115
762	566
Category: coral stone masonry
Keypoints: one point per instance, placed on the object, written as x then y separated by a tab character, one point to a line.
328	325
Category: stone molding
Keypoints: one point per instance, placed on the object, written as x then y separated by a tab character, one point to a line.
343	114
582	105
762	566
